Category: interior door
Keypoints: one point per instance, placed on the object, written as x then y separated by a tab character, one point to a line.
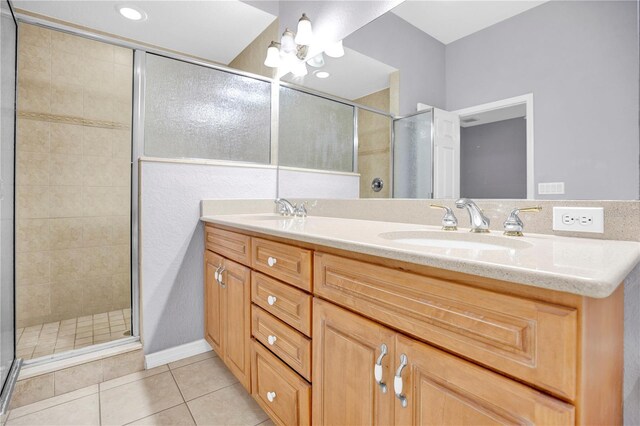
446	154
8	365
346	348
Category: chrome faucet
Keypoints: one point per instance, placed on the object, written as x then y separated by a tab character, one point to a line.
479	222
285	208
449	220
513	226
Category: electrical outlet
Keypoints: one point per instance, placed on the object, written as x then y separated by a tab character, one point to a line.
578	219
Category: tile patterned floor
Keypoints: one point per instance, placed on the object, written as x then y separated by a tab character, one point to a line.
46	339
194	391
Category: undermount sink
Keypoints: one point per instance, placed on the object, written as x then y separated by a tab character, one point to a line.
455	240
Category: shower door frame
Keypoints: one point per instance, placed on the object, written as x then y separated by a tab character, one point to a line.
23	18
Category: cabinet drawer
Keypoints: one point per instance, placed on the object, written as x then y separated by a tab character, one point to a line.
284	395
287	263
526	339
290	345
289	304
229	244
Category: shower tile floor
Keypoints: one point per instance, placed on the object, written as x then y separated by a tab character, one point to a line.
75	333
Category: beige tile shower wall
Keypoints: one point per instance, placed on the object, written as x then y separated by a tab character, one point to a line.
374	144
73	162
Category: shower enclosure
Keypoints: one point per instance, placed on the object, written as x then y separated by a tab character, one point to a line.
9	367
73	192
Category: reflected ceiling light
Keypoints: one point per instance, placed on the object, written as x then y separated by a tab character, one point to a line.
131	13
335	50
321	74
304	35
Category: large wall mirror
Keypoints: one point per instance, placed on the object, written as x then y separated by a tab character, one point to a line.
431	99
436	99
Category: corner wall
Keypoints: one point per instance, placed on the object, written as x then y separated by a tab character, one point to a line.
172	241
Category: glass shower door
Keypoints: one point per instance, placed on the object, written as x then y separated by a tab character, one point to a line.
413	156
8	367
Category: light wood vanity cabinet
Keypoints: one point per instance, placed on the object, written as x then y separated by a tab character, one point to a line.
266	344
476	350
436	388
228	314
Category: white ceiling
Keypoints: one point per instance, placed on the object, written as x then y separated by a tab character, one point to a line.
450	20
214	30
352	76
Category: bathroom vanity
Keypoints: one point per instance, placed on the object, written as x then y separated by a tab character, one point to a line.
342	321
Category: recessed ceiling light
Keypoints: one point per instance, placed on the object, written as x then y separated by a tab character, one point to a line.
321	74
131	13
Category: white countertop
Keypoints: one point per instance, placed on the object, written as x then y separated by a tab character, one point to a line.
581	266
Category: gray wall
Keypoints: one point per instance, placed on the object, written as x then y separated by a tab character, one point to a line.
580	61
419	57
172	242
493	160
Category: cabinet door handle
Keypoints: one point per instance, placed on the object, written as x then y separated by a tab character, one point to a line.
271	300
272	261
217	274
377	368
271	339
271	396
222	269
397	381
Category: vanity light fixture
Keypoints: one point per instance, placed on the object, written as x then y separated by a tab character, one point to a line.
131	13
335	50
293	49
321	74
317	61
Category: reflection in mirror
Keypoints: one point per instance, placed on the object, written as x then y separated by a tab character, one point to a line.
575	61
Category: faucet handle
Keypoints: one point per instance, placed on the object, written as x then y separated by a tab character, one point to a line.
449	220
513	226
301	210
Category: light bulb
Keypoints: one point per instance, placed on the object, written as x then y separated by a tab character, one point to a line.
299	69
287	43
321	74
304	36
335	50
273	55
317	61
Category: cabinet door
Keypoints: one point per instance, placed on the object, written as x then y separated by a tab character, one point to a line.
345	350
236	287
441	389
214	315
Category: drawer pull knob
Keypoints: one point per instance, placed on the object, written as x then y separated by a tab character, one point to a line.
377	368
272	261
271	300
271	396
271	339
397	381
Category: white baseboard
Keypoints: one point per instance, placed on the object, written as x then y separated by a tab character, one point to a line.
176	353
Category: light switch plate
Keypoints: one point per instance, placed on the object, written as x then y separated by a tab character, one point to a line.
579	219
